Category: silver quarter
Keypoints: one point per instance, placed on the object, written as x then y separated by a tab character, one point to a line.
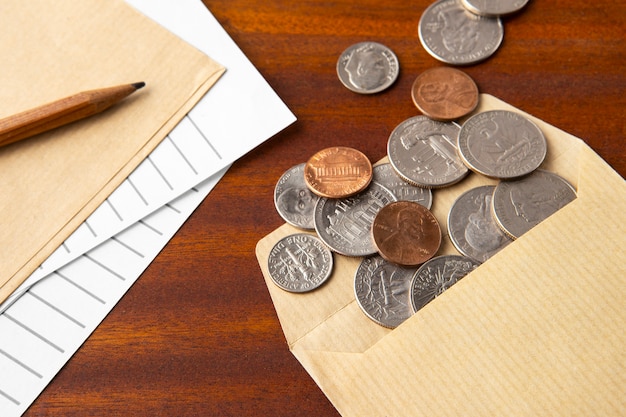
344	225
294	201
471	226
520	205
423	152
501	144
437	275
454	35
368	67
300	263
382	290
493	8
385	175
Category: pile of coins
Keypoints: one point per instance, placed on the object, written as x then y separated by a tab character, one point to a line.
465	32
382	213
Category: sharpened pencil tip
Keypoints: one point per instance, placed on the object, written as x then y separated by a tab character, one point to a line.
138	85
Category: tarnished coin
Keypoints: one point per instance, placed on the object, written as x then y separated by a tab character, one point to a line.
452	34
382	291
385	175
423	152
300	263
294	201
493	7
367	67
406	233
501	144
337	172
436	276
471	226
444	93
522	204
344	224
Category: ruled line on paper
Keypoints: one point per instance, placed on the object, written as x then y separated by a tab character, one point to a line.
81	288
55	308
33	332
19	363
208	142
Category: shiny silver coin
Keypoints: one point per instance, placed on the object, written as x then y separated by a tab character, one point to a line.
300	263
471	226
368	67
437	275
294	201
423	152
493	8
501	144
520	205
382	291
385	175
344	224
452	34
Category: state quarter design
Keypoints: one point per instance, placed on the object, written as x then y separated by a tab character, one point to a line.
423	152
436	276
382	291
454	35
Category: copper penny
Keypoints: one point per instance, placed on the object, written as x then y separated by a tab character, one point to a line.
338	172
406	233
444	93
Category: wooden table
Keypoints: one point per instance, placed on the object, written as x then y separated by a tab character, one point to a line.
198	335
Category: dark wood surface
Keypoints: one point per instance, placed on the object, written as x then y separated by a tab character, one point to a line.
197	335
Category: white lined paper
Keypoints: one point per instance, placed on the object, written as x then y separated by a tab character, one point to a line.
98	263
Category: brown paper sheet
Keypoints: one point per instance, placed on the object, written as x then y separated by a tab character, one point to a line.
52	49
536	330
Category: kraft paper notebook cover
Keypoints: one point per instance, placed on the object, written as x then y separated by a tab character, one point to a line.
50	50
537	330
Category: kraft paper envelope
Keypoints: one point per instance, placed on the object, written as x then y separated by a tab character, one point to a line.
537	330
52	49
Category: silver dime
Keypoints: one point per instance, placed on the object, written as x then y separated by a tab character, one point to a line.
437	275
344	224
300	263
452	34
367	67
382	291
385	175
423	152
471	226
520	205
501	144
294	201
493	7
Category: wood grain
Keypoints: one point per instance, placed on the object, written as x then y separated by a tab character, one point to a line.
197	335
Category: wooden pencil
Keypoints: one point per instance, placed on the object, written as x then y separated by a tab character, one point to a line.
61	112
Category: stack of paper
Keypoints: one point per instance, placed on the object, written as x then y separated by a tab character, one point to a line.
97	264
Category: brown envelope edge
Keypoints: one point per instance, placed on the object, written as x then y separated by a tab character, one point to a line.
40	256
536	330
